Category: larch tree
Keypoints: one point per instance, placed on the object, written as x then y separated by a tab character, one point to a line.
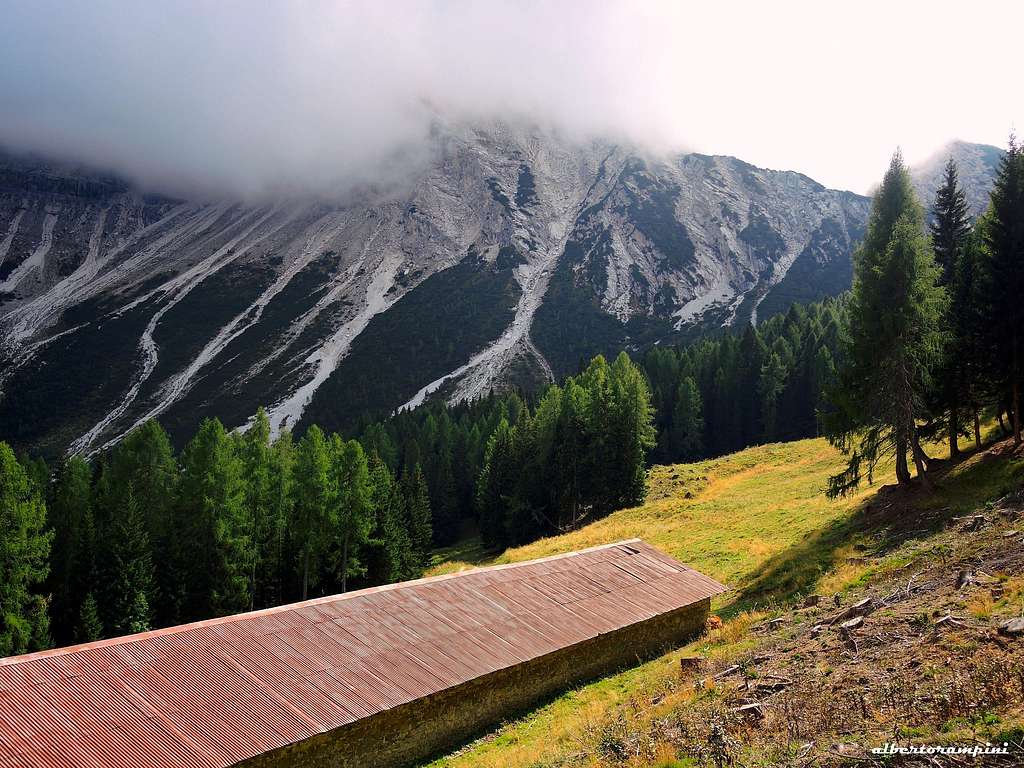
350	478
212	508
314	503
895	340
24	552
260	520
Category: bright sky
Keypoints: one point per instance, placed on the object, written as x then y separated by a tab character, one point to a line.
242	95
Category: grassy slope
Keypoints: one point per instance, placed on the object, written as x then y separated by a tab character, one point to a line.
757	521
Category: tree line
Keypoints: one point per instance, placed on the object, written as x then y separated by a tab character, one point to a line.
930	337
143	538
762	384
936	325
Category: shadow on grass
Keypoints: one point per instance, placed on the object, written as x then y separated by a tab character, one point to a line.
883	522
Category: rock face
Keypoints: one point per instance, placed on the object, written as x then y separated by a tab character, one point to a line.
976	163
508	256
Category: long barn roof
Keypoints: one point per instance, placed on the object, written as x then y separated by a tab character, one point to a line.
213	693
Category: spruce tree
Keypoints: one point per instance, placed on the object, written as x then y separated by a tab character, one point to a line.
495	486
950	223
391	549
88	627
70	558
630	435
1004	265
687	421
950	229
128	568
895	339
419	519
24	551
145	461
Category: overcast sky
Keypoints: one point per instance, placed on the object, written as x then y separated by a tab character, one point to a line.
239	96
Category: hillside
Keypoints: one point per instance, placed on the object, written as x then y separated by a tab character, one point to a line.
463	278
757	521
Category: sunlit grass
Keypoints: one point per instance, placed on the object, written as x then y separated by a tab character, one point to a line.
757	521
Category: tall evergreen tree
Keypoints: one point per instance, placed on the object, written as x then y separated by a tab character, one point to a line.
895	339
71	558
352	494
390	548
218	539
128	567
276	571
145	461
950	223
89	626
1004	242
24	550
495	487
687	421
417	506
950	229
314	503
261	516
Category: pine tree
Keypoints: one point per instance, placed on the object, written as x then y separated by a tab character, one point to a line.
70	557
145	461
276	571
352	494
88	627
128	567
687	421
1004	266
390	549
495	486
212	508
261	512
314	503
950	229
24	550
417	506
895	339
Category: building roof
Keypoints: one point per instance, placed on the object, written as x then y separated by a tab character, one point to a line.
213	693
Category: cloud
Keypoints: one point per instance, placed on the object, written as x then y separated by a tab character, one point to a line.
225	96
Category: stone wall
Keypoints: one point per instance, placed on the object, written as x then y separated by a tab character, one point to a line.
411	732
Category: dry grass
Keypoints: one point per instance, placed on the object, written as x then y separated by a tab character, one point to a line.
757	521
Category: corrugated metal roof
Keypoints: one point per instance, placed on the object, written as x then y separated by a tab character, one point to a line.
212	693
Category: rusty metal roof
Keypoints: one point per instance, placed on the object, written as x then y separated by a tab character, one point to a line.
212	693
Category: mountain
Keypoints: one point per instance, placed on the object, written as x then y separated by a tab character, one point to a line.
976	163
506	257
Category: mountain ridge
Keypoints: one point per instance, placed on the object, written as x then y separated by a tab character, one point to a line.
507	258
